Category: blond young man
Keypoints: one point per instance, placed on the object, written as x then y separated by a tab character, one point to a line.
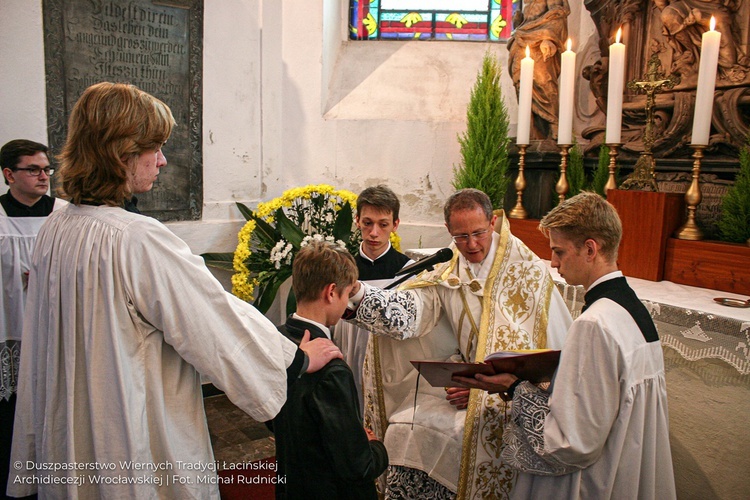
605	431
322	449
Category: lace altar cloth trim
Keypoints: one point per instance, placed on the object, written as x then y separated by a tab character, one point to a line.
405	483
10	354
695	335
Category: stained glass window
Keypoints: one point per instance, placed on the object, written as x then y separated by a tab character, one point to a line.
470	20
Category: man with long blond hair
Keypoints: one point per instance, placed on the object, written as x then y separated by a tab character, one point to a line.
122	318
602	429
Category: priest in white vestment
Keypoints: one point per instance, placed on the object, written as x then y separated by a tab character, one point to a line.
120	320
495	294
602	429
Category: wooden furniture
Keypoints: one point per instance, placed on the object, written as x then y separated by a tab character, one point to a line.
527	230
709	264
648	220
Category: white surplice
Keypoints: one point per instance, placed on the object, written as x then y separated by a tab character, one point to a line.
608	418
17	237
121	317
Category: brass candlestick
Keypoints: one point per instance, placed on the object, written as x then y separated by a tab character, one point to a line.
690	230
518	211
643	177
561	188
611	181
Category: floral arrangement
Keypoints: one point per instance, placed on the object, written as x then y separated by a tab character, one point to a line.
277	229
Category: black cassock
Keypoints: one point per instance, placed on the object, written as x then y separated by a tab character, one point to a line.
322	449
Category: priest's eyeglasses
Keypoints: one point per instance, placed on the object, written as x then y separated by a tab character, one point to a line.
37	171
464	238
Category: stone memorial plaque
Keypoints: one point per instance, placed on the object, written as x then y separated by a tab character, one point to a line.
155	45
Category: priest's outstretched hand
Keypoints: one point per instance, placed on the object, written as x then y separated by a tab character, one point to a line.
319	352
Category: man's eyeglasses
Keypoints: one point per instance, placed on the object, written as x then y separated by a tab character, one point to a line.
37	171
463	238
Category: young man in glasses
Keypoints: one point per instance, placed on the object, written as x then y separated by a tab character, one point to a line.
494	294
27	173
23	210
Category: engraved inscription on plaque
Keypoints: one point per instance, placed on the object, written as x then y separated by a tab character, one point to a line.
152	45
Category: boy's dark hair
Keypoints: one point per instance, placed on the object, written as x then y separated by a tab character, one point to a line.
12	151
381	197
318	264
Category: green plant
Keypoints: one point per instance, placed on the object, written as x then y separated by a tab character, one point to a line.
575	173
484	144
734	224
601	174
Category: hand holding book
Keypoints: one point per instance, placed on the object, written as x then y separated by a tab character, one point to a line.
494	384
498	371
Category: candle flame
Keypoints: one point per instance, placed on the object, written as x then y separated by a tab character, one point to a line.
570	44
619	34
528	52
713	23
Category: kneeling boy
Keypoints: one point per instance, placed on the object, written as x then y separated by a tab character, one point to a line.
321	447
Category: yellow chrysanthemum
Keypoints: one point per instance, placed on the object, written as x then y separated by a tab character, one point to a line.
243	281
395	240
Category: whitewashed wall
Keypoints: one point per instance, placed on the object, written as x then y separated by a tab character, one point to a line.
288	101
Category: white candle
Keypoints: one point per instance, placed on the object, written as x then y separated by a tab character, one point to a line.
614	90
567	96
524	98
704	98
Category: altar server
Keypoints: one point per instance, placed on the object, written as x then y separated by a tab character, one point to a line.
23	210
604	429
120	320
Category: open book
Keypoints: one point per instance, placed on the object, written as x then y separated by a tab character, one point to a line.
534	365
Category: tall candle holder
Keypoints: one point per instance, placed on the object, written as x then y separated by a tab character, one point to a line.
561	188
690	230
518	211
611	181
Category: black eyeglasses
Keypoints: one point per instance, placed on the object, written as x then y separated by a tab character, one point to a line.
37	171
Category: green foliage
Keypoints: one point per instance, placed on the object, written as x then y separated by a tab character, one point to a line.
484	145
734	224
578	180
219	260
575	174
601	174
246	212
